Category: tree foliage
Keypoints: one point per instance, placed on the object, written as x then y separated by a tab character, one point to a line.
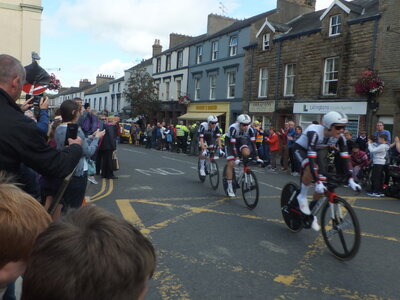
141	93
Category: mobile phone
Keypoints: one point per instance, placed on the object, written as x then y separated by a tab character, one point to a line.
36	98
72	132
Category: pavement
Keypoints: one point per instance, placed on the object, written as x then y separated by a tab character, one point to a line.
212	247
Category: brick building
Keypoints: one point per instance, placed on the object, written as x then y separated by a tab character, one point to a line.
307	66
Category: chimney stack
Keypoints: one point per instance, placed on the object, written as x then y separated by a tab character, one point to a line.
176	39
216	23
157	48
100	78
84	83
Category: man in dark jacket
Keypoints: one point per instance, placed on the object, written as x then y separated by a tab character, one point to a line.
21	141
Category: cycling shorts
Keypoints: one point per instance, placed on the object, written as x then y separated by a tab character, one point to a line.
230	147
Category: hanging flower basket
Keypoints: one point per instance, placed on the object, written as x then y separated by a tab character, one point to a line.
369	84
184	100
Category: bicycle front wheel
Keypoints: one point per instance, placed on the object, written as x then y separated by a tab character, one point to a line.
202	178
214	175
341	229
250	190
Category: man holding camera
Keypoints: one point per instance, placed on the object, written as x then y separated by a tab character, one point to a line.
21	141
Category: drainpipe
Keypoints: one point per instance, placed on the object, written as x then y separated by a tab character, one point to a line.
250	79
277	83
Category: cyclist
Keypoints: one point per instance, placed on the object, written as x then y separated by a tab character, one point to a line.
209	132
236	145
317	137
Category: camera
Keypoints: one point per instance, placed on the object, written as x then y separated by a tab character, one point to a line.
36	99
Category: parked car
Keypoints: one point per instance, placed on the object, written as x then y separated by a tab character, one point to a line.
125	133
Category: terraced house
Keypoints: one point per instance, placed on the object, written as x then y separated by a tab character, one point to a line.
300	69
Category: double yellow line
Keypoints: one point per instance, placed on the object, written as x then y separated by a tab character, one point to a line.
101	194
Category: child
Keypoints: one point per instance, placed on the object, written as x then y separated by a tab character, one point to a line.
273	141
359	160
89	254
379	159
22	219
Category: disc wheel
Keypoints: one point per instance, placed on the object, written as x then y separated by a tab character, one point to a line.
290	208
214	175
225	181
202	178
340	229
250	190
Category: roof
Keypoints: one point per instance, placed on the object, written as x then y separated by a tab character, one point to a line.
231	28
308	23
102	88
74	90
143	63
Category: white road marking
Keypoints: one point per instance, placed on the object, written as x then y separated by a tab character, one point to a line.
136	188
180	160
160	171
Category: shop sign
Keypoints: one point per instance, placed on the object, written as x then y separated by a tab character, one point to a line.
262	106
352	108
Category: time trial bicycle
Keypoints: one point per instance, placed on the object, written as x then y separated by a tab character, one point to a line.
211	169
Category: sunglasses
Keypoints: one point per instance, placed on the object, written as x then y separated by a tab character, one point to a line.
339	127
213	123
244	124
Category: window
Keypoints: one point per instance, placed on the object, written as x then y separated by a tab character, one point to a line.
105	102
213	86
119	86
335	26
214	50
94	103
158	65
113	87
331	76
263	83
167	90
157	91
233	44
231	84
290	75
168	63
199	54
100	103
265	44
197	89
179	59
178	88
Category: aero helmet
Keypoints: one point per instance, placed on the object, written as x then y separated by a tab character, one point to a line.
212	119
244	119
334	117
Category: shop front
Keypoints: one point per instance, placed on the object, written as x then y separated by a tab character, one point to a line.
200	112
262	111
308	112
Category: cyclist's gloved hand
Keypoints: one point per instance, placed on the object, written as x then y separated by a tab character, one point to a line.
354	186
259	160
320	187
237	162
221	153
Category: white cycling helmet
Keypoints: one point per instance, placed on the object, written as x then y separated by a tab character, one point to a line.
212	119
334	117
244	119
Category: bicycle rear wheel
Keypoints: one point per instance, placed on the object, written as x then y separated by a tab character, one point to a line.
340	229
225	182
290	207
250	190
214	175
202	178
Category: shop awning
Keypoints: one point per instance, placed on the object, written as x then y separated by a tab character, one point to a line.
198	115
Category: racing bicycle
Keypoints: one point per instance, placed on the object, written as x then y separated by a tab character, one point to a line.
339	224
211	169
244	178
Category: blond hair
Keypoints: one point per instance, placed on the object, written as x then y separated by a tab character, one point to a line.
22	219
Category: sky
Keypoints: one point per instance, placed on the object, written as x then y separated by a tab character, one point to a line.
83	38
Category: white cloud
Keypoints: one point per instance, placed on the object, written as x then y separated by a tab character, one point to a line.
134	24
321	4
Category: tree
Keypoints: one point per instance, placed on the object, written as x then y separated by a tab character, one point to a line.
141	94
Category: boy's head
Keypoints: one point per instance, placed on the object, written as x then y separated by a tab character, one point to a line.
89	254
356	148
382	139
22	219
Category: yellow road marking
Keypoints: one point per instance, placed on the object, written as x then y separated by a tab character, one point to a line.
381	237
170	286
378	210
103	188
110	189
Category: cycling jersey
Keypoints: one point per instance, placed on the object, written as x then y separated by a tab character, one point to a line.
208	134
313	139
236	140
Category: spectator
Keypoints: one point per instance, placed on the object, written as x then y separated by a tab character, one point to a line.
379	153
290	142
359	160
21	141
149	134
89	254
294	161
182	133
75	191
284	150
380	129
107	147
349	136
362	141
22	219
273	141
